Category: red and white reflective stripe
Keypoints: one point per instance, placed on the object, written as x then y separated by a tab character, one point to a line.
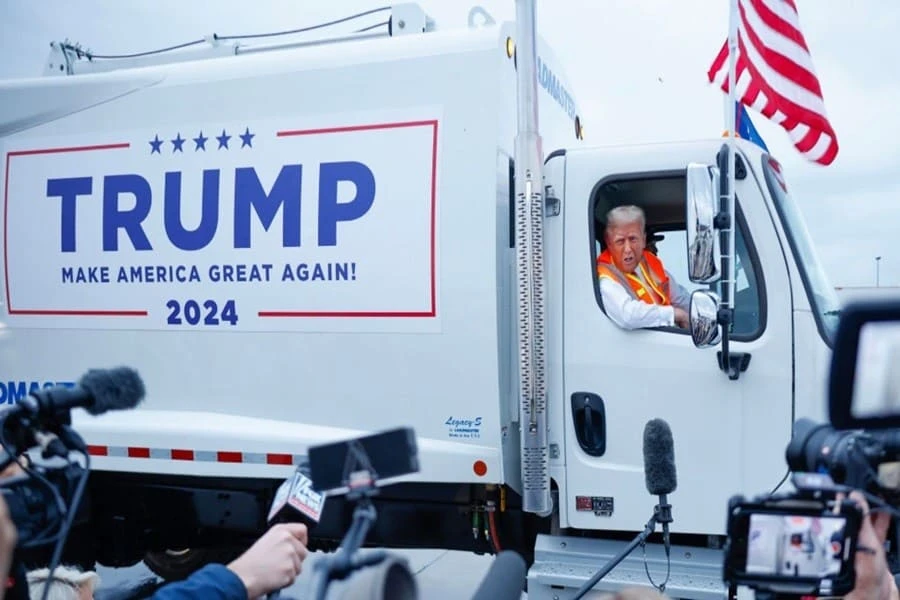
218	456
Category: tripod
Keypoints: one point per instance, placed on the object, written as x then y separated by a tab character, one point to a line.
662	514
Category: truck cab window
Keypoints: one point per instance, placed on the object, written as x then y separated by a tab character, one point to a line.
662	200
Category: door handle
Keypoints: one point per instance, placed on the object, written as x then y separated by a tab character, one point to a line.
589	418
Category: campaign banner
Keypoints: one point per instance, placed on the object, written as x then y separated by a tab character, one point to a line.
256	225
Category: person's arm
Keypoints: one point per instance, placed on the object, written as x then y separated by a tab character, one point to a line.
214	581
681	298
628	313
272	563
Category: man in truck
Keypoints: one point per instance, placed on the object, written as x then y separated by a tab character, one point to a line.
636	289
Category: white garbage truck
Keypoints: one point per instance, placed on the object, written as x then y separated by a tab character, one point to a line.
302	241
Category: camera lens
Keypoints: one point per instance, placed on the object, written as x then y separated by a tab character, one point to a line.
811	446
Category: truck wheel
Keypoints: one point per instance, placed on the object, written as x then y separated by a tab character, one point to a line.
174	565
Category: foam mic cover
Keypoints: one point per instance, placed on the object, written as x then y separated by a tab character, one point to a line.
505	579
659	458
297	501
112	389
98	391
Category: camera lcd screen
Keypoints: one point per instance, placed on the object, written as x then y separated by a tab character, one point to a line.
876	389
802	546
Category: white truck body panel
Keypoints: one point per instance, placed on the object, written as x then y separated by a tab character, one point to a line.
407	324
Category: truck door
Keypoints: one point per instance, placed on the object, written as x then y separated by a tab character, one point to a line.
729	436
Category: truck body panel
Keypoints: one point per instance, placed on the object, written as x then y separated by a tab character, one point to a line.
347	235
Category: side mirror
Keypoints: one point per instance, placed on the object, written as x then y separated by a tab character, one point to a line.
704	313
864	383
701	202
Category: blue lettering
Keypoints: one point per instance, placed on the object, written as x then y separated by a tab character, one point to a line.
209	213
554	88
463	423
129	220
248	192
85	274
330	210
14	391
68	190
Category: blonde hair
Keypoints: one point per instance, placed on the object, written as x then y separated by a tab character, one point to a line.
66	584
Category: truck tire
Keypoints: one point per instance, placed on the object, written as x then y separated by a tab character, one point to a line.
175	565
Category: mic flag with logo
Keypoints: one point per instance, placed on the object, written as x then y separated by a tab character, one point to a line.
774	75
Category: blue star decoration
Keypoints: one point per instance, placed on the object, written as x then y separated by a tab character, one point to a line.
246	137
177	143
201	142
155	144
223	140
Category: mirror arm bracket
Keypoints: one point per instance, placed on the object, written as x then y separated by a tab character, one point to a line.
733	363
722	220
737	363
726	316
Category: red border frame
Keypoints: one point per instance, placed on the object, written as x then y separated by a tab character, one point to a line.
432	311
51	312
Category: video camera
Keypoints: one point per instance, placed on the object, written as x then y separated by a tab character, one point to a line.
804	542
44	497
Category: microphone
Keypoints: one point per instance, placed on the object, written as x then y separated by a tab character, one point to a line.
504	580
659	470
98	391
297	501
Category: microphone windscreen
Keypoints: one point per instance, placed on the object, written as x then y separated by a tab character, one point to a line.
505	579
659	458
112	389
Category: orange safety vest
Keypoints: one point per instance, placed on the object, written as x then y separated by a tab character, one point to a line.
657	292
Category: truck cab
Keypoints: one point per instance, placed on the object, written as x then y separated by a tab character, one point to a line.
730	427
610	381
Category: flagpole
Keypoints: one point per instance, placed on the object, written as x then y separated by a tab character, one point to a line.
732	148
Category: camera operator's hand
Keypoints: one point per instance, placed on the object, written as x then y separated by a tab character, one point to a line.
274	561
873	576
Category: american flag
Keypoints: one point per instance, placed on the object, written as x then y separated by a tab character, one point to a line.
774	75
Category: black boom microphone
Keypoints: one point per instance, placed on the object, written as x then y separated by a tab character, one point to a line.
98	391
45	501
659	470
659	475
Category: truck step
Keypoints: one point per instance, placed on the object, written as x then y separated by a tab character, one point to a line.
563	564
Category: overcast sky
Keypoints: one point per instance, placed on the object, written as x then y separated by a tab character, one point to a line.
637	67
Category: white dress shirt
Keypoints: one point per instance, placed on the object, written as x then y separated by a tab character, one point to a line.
628	313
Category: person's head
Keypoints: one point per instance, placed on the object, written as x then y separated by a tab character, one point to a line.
67	584
624	236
